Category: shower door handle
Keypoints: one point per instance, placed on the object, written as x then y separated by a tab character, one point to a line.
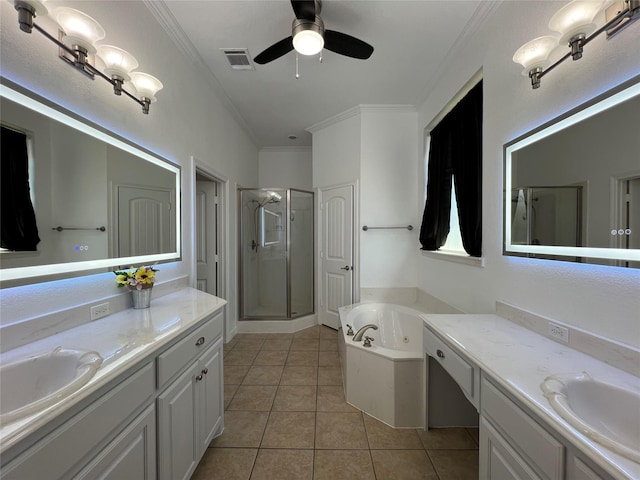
346	267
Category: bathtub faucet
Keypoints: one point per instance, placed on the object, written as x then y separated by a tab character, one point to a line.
358	336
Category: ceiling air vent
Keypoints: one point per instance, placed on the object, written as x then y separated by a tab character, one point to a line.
238	58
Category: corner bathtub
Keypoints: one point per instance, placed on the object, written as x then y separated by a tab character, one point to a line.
387	379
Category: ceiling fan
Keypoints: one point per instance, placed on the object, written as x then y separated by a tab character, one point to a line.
309	37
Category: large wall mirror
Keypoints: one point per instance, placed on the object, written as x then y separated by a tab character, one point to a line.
572	186
76	198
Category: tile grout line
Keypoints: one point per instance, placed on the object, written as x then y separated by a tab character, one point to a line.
317	411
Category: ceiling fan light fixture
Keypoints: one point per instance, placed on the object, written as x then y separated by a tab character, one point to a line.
308	38
308	42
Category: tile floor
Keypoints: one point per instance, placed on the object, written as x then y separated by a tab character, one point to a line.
286	418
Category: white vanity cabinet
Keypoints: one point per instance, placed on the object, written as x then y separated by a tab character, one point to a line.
190	413
513	444
516	442
578	470
463	371
153	420
130	456
105	440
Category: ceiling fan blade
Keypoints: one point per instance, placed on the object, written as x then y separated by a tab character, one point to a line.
346	45
275	51
304	9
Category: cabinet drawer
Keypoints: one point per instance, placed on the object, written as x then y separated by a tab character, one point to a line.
64	449
462	371
178	356
530	439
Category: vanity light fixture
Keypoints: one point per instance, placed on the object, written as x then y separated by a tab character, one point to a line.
147	86
76	42
118	64
575	24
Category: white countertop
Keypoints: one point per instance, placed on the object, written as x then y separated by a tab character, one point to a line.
122	339
519	360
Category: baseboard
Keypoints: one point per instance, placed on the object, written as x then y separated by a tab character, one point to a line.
277	326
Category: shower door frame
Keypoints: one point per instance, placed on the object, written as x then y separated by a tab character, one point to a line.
241	236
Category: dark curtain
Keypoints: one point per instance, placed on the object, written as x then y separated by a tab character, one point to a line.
456	151
17	218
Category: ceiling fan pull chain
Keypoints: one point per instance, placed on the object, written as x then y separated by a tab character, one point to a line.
297	73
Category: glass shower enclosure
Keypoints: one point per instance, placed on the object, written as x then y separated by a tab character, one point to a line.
276	253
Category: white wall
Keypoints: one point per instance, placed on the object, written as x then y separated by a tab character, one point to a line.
336	151
388	165
187	120
604	300
286	167
377	146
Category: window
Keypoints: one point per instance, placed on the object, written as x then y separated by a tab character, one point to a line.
455	179
454	239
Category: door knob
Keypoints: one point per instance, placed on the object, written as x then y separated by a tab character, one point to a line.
346	267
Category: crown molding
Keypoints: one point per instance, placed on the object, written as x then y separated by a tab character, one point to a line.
358	110
180	39
483	12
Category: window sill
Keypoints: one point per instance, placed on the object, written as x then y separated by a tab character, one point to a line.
456	257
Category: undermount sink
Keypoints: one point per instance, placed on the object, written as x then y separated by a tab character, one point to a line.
32	384
605	413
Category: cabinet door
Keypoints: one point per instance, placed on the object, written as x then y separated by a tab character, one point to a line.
130	456
177	420
498	461
211	395
578	470
541	450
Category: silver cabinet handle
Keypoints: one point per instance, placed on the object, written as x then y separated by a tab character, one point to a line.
200	341
205	370
346	267
440	353
199	378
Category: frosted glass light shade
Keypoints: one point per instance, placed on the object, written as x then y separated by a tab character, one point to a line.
575	18
146	85
535	53
117	61
308	42
79	28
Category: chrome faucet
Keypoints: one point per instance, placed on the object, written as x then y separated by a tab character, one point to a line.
358	336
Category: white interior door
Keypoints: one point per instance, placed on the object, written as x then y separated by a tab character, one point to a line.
207	221
145	221
336	253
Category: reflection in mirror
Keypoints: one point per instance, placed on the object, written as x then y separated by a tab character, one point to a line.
271	230
84	200
572	186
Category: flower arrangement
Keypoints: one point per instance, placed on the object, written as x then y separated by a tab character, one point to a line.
142	277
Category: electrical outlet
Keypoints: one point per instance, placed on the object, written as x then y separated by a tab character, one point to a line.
99	311
558	332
